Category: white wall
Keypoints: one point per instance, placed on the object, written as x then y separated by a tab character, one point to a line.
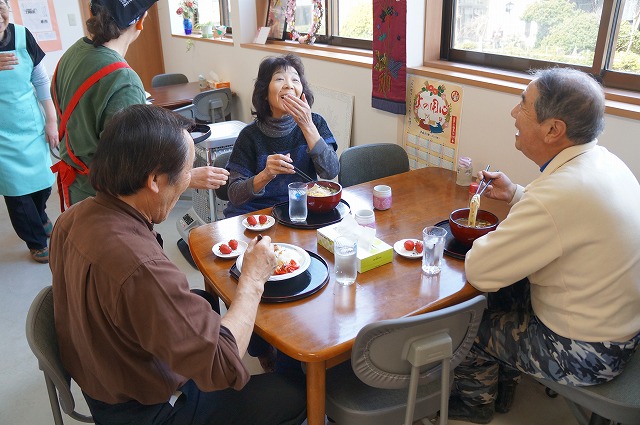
486	131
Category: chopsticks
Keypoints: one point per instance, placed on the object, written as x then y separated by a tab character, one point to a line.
482	181
298	171
479	191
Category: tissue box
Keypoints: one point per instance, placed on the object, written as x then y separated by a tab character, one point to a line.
222	84
378	254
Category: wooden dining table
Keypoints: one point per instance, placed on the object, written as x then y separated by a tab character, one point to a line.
174	96
320	330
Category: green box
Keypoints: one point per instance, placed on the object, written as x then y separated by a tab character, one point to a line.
378	254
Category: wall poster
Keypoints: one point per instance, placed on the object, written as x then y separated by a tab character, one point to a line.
39	16
432	123
277	19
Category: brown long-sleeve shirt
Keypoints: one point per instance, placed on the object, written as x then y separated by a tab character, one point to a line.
128	327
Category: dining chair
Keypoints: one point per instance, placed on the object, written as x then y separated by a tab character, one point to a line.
617	400
403	368
185	111
359	164
161	80
212	106
221	162
43	341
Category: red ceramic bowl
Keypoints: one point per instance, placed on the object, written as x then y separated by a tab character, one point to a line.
321	204
465	234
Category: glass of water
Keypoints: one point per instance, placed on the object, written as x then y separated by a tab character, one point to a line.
345	265
433	238
298	202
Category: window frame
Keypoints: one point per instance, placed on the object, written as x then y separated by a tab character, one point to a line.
602	54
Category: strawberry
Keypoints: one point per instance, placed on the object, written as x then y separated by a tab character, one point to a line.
419	247
252	220
225	249
409	245
262	219
233	244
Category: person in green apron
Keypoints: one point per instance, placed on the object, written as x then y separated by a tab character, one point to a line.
25	136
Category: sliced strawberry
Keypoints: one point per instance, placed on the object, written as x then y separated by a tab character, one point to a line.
233	244
409	245
419	247
225	249
252	220
262	219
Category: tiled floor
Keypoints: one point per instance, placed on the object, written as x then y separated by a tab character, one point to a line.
23	396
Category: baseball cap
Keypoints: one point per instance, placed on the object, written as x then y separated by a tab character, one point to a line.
124	12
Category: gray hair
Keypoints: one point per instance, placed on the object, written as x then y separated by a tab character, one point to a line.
573	97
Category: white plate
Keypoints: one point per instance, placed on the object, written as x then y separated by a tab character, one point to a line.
258	227
298	254
399	248
242	246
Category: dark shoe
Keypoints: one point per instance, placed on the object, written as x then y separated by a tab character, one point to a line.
48	228
506	394
268	359
460	411
40	255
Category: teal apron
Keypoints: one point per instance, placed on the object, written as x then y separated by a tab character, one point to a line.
24	152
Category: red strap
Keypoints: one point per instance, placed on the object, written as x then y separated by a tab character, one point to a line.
66	176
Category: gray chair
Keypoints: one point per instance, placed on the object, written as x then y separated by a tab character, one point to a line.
221	162
42	339
186	111
617	400
212	105
359	164
168	80
389	356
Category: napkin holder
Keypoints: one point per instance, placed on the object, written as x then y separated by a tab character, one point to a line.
372	252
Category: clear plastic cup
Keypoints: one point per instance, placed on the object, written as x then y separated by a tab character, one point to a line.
345	265
298	202
433	238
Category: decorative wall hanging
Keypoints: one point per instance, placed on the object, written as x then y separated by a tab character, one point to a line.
389	55
276	19
317	13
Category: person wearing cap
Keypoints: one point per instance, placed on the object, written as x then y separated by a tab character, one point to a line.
25	135
93	81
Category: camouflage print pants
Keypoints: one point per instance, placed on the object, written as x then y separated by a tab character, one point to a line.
511	340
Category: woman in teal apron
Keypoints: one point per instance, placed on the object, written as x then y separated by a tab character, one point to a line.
25	177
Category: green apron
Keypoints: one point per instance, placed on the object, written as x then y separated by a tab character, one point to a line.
24	152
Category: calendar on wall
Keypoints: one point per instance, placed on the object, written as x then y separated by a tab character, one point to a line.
39	16
432	122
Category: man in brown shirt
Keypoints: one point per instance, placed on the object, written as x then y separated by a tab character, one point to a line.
141	346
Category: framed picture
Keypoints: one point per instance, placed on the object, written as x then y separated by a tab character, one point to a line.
277	19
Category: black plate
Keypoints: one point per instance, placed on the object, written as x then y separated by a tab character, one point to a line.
314	220
200	132
308	283
452	247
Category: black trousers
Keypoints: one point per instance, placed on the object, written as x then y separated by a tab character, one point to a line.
27	215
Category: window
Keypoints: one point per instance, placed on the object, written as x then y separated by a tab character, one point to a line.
346	23
597	36
216	11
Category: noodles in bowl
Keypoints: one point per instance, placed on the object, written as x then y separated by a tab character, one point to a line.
323	196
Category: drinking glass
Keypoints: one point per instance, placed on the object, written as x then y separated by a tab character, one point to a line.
345	265
298	202
433	238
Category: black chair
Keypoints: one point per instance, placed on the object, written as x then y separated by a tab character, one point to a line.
43	341
168	80
212	106
359	164
403	368
221	162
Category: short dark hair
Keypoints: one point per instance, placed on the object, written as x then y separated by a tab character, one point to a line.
136	142
101	26
268	67
574	97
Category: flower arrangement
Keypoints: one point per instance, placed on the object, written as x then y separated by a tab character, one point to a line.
187	8
310	37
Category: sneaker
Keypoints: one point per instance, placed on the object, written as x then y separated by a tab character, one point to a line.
460	411
506	394
40	255
48	228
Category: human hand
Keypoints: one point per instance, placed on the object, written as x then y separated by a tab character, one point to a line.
299	109
259	260
501	187
51	134
278	164
7	61
208	177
